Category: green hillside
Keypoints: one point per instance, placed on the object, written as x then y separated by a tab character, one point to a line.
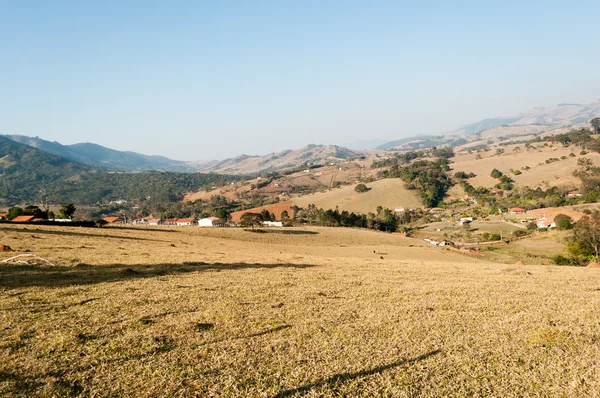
25	170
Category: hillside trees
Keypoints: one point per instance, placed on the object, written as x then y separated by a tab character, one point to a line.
67	210
595	122
586	236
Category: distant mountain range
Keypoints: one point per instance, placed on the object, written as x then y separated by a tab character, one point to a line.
25	170
109	159
561	115
97	156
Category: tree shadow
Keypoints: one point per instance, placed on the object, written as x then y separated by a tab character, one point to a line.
39	231
13	276
344	377
281	231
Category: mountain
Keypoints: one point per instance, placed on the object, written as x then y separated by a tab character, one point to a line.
556	116
285	160
544	119
364	144
110	159
24	170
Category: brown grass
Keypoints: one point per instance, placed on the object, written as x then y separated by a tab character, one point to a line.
291	312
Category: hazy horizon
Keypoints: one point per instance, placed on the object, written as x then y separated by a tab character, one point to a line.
204	81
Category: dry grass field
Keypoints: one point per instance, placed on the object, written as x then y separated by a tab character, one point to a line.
559	173
388	193
285	313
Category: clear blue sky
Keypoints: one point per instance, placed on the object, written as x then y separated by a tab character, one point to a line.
213	79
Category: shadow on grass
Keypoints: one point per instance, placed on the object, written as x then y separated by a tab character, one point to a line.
93	233
13	276
344	377
281	231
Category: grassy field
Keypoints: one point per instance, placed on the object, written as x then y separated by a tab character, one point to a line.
559	173
285	313
388	193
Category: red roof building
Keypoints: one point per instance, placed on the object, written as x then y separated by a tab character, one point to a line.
23	218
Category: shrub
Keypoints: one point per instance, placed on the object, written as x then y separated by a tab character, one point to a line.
496	173
517	172
361	188
559	259
519	233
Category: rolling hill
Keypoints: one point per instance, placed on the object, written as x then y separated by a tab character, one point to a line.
24	170
285	160
110	159
388	193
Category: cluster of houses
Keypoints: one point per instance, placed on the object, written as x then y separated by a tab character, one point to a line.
181	222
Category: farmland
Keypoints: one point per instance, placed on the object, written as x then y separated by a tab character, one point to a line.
287	312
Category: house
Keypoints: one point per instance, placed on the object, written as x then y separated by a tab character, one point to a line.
155	221
574	194
436	210
209	222
399	210
171	221
23	219
272	223
113	220
544	224
3	216
516	210
466	220
186	222
140	221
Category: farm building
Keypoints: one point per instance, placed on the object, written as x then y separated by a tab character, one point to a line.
140	221
155	221
186	222
516	210
3	216
23	219
209	222
574	194
399	209
170	221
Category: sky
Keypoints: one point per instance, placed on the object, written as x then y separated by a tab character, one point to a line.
196	80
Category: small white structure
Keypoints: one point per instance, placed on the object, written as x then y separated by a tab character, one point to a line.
544	223
140	221
466	220
208	222
399	210
272	223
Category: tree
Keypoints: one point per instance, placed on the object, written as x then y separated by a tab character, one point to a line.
14	212
361	188
563	221
586	233
496	173
67	210
251	220
595	122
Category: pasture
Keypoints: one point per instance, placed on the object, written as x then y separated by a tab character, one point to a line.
285	313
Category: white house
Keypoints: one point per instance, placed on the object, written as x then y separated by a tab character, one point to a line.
272	223
208	222
543	224
399	210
